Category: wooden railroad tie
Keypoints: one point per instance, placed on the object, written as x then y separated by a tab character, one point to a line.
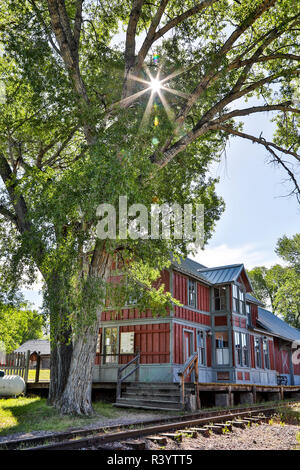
189	433
158	440
175	436
204	431
214	428
224	426
238	424
136	445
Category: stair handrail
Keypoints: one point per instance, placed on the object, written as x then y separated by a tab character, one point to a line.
190	365
121	379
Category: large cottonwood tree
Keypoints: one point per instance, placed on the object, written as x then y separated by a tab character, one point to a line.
80	126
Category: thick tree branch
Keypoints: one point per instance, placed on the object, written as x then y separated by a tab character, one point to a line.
258	109
258	140
16	200
69	44
8	214
131	31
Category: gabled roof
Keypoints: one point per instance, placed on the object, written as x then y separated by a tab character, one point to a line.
275	325
253	299
224	274
35	345
189	266
213	276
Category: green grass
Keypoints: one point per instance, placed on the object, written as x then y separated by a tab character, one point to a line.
24	414
290	415
44	375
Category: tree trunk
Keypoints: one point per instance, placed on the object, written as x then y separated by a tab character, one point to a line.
77	395
59	370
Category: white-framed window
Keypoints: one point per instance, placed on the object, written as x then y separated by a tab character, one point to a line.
245	349
238	348
111	345
241	349
238	299
266	353
201	347
191	293
220	298
222	348
257	349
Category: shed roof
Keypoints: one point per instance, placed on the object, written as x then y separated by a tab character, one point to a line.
253	299
275	325
35	345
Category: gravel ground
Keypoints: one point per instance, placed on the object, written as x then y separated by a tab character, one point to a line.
258	437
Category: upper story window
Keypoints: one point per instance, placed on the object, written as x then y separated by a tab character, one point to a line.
220	298
192	293
257	348
248	313
238	299
266	353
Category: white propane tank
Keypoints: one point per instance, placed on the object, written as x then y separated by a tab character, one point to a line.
11	385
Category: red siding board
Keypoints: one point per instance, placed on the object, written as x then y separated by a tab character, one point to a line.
252	353
271	353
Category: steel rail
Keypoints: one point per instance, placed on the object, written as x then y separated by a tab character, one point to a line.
104	438
65	435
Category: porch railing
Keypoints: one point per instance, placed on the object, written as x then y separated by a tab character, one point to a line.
191	365
136	370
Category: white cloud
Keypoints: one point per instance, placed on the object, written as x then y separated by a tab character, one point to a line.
249	254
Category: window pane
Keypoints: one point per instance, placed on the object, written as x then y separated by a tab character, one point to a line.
192	293
222	351
110	343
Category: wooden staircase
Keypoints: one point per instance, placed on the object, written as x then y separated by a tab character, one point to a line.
152	396
156	396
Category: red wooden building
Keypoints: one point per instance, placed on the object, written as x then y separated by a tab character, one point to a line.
236	340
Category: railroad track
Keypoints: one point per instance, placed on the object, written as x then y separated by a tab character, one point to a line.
156	430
